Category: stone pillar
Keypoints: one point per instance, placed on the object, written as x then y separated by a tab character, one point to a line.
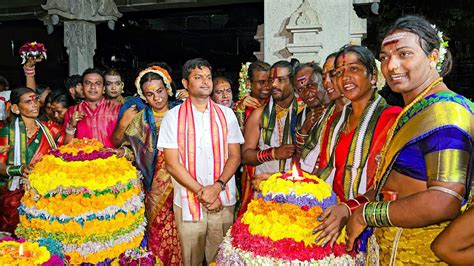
259	37
80	42
338	25
80	17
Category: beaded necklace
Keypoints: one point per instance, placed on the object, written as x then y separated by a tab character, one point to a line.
391	132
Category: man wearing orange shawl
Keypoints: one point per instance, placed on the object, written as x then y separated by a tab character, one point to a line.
201	142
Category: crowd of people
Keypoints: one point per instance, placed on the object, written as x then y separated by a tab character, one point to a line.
403	172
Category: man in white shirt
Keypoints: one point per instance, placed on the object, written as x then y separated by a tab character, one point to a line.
201	142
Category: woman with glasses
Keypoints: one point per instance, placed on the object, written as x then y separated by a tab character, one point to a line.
22	143
358	136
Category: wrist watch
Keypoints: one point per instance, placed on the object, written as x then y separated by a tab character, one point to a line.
221	183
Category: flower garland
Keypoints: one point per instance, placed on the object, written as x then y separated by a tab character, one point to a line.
62	215
81	145
78	239
98	252
277	185
246	249
87	193
87	228
443	45
244	90
32	50
51	173
138	256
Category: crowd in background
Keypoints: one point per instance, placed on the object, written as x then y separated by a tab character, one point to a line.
400	159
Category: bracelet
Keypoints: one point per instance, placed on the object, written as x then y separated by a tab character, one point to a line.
7	170
266	155
447	191
354	203
14	170
300	138
29	71
70	130
376	214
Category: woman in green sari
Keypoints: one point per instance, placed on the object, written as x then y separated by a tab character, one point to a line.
22	143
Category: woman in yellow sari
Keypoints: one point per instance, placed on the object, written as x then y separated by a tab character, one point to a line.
424	173
154	86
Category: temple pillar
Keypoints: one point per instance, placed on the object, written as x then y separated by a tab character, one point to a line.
80	18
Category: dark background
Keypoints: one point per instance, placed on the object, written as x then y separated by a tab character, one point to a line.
223	34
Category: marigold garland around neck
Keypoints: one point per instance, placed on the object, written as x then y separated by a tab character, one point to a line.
85	198
391	132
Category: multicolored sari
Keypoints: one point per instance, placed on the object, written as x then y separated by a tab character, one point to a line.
352	164
434	138
142	135
22	151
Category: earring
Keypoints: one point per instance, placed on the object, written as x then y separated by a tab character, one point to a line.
433	64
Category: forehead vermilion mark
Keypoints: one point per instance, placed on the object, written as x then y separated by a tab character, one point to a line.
275	73
390	42
33	97
394	38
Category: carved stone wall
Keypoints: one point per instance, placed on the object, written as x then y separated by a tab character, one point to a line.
80	42
324	27
79	17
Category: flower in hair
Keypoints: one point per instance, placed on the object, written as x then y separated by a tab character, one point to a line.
159	71
443	45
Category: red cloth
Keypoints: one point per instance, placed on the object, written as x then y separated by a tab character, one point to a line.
323	157
10	200
386	120
99	123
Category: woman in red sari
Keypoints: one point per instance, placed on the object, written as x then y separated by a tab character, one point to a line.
22	143
141	136
358	136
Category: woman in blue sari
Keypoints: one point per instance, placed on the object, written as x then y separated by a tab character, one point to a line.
424	173
154	86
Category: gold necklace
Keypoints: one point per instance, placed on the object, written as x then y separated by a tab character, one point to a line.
391	132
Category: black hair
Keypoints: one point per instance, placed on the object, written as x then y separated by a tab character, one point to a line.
149	76
215	79
287	65
257	66
365	56
334	54
112	72
63	98
428	37
17	93
40	88
72	81
4	82
93	71
192	64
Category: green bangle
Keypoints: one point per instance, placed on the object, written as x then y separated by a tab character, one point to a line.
376	214
14	170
